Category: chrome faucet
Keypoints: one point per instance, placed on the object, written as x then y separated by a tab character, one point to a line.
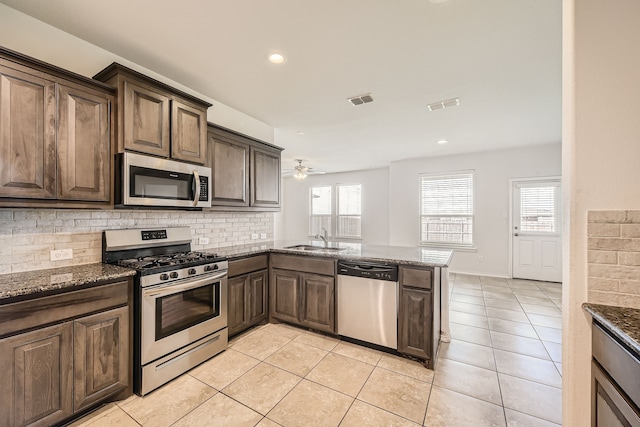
322	235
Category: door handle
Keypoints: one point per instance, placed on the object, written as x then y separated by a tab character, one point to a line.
196	180
516	234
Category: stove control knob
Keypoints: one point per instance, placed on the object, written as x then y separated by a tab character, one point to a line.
192	271
164	276
207	268
174	275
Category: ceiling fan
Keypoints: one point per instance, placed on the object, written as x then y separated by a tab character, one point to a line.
300	171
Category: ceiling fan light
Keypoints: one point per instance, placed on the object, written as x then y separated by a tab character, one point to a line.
299	175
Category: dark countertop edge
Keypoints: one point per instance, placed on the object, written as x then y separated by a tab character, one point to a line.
251	250
622	323
83	275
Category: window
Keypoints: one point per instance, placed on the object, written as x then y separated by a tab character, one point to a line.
539	211
341	219
446	204
320	209
349	221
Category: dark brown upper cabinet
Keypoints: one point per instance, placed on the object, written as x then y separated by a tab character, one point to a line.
246	171
155	118
55	135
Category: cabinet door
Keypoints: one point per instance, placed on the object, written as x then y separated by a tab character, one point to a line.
414	336
189	133
265	178
318	308
146	120
257	297
101	356
285	296
229	162
27	135
37	368
84	145
236	311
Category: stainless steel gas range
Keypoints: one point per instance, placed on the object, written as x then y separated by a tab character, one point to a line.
180	312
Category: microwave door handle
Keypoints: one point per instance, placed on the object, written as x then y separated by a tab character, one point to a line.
196	182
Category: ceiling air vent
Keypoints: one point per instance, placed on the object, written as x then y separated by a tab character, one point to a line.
361	99
443	104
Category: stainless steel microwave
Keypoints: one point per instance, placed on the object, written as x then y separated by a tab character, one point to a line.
146	181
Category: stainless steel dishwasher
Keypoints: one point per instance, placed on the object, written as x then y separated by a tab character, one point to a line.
368	302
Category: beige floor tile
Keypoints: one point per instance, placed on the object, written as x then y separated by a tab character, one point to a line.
262	387
362	414
239	337
451	409
341	373
94	415
522	345
527	367
542	309
503	289
466	291
404	366
531	398
504	296
544	301
297	358
548	321
468	319
467	278
466	352
169	403
310	404
220	411
518	419
283	329
549	334
488	280
317	340
115	417
358	352
476	286
559	367
402	395
498	303
529	293
513	328
507	314
554	349
466	379
266	422
261	344
470	334
224	368
468	299
464	307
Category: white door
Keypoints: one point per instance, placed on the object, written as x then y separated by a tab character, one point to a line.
537	230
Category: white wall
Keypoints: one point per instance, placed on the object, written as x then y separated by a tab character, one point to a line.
493	169
601	159
293	222
27	35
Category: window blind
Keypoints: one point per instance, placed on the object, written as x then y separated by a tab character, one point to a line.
538	209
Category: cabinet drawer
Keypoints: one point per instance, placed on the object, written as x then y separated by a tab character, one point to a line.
303	264
28	314
247	265
416	278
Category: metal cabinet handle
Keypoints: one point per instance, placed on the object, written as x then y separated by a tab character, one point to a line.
516	234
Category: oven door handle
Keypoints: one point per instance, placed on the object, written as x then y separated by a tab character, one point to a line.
196	181
181	286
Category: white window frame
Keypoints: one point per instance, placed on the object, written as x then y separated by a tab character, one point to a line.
337	221
332	230
471	215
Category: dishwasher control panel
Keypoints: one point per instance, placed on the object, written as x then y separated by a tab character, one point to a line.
388	272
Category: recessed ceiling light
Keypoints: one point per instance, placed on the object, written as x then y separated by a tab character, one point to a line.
442	141
301	133
437	1
277	58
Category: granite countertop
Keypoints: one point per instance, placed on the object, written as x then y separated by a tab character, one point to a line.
376	253
44	281
621	322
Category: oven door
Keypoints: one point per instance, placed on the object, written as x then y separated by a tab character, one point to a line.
176	314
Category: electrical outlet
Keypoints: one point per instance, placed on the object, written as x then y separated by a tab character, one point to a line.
203	241
61	254
263	235
481	258
254	236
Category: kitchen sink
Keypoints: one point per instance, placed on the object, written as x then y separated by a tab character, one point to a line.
313	248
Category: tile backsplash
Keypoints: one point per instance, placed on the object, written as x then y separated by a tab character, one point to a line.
613	239
27	236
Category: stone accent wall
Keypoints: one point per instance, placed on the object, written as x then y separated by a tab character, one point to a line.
614	257
27	236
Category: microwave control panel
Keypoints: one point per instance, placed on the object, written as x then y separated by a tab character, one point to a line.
204	189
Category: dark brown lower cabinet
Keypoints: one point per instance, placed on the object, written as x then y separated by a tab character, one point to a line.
247	301
416	316
50	373
303	299
37	371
